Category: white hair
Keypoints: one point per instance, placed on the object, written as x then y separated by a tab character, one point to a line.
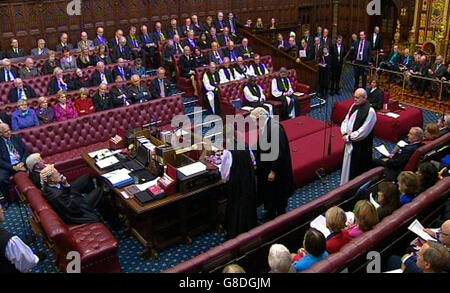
279	259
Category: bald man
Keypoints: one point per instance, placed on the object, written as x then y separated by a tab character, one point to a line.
7	72
357	130
85	42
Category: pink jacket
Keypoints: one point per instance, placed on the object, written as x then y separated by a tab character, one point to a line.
65	114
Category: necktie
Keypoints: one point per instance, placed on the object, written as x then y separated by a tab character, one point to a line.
22	95
9	76
39	51
121	49
122	73
361	50
12	150
102	76
258	70
232	26
161	86
16	51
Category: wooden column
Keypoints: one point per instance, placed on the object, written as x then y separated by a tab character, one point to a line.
335	18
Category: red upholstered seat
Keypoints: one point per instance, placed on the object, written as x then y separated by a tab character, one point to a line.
301	127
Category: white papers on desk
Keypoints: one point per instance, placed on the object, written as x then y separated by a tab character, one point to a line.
392	115
320	223
105	163
402	143
417	228
374	202
147	185
383	150
102	152
192	169
118	177
302	53
247	108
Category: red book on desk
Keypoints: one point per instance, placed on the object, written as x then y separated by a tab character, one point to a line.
157	192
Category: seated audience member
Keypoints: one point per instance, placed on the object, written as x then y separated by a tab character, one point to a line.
20	91
122	70
280	259
35	164
188	65
190	41
58	82
444	125
100	40
102	55
259	25
428	175
213	37
119	94
233	269
366	217
292	48
85	42
388	198
431	132
102	100
29	71
215	55
135	46
15	51
246	50
114	43
178	47
41	51
409	186
273	24
208	25
76	203
137	92
168	57
187	27
197	27
232	24
45	113
67	61
304	47
226	37
280	43
394	60
174	30
226	72
159	35
400	155
13	153
23	117
203	43
149	44
200	59
64	109
255	97
282	91
336	223
16	256
101	75
407	62
241	71
122	51
8	73
211	82
64	43
258	68
85	59
230	52
5	118
375	96
313	251
161	85
84	104
138	69
50	64
80	80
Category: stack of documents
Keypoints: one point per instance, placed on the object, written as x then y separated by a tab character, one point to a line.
192	169
392	115
108	162
119	178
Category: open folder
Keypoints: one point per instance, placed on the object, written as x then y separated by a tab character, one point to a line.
417	228
119	178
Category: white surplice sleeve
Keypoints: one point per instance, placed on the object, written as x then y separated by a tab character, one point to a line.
275	92
21	255
225	167
207	84
366	128
249	96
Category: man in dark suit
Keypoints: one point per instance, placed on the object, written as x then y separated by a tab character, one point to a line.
135	45
308	39
102	100
168	57
101	75
13	153
178	47
338	52
29	70
232	53
100	39
174	30
64	42
137	92
227	37
114	43
190	41
215	55
246	50
198	30
8	73
121	70
213	37
15	51
361	60
41	51
149	45
161	86
220	23
326	40
122	51
159	35
187	27
377	42
20	91
400	155
375	96
232	24
317	50
5	118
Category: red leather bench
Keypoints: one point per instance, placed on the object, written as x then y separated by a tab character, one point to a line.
235	91
255	244
65	142
97	246
415	159
387	128
398	221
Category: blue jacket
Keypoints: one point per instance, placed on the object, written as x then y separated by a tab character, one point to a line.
19	120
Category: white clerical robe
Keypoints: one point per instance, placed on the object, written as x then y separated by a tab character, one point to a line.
360	134
252	98
276	93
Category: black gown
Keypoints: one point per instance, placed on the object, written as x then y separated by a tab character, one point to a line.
275	195
241	190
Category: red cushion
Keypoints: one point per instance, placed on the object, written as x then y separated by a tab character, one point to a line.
301	127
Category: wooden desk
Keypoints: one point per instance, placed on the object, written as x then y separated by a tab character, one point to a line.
171	220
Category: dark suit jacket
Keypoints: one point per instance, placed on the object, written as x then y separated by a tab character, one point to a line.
198	30
247	53
171	33
53	86
328	42
25	74
125	54
136	94
439	73
11	54
187	43
35	54
378	45
102	104
96	79
145	40
157	36
366	52
220	25
187	66
212	57
97	42
219	39
131	45
156	91
334	54
376	99
5	161
113	43
78	83
168	54
2	74
115	93
396	164
228	53
5	119
126	71
13	95
59	47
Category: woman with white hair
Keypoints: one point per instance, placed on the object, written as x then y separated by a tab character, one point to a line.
280	259
23	117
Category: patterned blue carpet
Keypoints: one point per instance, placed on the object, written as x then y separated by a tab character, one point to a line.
130	247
